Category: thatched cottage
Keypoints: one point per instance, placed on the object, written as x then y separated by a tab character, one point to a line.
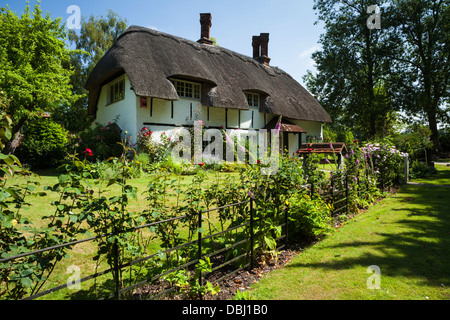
163	82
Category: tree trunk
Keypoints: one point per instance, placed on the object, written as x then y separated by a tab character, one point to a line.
432	122
370	86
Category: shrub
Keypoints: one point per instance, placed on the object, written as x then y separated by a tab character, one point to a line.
103	140
156	150
421	170
44	144
309	218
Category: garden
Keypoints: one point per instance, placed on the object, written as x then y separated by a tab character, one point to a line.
88	213
130	223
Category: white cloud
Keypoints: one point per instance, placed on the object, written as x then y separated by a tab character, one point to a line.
152	27
305	56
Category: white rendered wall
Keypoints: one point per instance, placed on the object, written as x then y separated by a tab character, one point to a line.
313	129
125	109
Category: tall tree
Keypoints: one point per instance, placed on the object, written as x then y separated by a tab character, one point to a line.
33	60
351	80
421	33
96	36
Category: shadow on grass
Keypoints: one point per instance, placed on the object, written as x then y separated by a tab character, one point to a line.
416	245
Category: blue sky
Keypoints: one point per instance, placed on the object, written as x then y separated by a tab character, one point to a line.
293	35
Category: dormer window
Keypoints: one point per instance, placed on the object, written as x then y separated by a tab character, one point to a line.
252	99
116	91
187	89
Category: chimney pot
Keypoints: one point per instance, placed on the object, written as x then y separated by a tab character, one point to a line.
205	23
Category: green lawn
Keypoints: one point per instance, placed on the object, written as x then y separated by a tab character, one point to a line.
407	235
81	255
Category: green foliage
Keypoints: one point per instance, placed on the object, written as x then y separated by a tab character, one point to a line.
186	282
44	143
350	82
34	59
157	150
96	36
421	170
103	140
246	295
309	218
338	134
414	141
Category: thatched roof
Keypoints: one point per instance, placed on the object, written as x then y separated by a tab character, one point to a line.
150	58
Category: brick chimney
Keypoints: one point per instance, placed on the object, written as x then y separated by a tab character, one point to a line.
261	47
256	47
205	23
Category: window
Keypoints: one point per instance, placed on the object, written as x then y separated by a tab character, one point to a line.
186	89
116	91
252	99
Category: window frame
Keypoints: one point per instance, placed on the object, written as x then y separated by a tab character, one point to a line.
114	91
187	89
255	97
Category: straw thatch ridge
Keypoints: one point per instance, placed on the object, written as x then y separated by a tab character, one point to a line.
150	58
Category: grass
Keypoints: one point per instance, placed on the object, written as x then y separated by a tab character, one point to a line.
81	255
407	235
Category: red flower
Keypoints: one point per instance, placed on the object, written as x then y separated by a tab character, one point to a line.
309	150
258	162
201	164
88	152
355	141
144	129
